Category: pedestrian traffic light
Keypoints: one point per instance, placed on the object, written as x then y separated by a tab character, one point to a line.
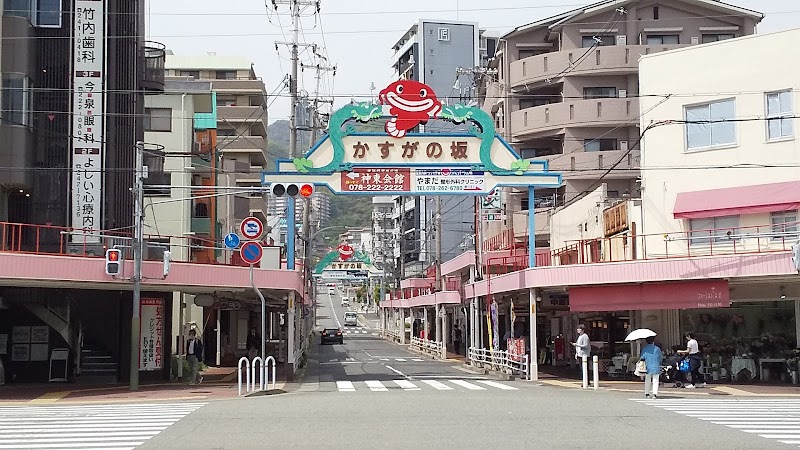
305	190
113	261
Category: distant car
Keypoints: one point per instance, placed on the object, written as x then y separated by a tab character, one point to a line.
331	335
345	301
332	290
350	319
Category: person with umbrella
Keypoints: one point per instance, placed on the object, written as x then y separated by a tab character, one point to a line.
652	357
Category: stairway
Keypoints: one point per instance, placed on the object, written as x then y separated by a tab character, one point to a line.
97	363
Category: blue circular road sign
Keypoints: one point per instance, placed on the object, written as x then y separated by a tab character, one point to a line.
232	240
251	252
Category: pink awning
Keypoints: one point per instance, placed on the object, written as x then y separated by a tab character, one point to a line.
681	295
761	198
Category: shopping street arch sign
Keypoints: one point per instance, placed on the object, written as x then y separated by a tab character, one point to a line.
400	162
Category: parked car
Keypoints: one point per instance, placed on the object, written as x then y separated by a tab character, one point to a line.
350	319
331	335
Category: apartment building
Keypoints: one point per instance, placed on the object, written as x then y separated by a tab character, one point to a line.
241	127
443	55
567	90
384	234
358	238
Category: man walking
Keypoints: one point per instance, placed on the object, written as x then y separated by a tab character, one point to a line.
582	348
194	354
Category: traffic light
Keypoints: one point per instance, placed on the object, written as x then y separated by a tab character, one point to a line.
305	190
113	261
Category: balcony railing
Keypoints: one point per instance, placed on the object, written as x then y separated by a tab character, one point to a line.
596	112
154	59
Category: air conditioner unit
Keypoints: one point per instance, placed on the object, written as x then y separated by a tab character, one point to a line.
695	40
623	93
622	39
623	145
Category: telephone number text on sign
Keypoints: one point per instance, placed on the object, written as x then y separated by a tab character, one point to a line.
376	180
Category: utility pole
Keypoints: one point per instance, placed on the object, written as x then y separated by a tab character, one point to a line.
438	225
138	223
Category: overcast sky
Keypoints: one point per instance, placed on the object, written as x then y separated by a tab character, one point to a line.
358	35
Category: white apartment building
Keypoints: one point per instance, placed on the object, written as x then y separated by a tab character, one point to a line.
738	174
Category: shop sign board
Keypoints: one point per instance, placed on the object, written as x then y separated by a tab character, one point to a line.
151	352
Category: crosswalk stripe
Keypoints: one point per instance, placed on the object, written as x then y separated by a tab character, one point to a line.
497	385
470	386
407	385
115	445
345	386
375	385
400	359
437	385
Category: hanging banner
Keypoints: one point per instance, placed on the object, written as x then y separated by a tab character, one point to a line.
151	350
88	111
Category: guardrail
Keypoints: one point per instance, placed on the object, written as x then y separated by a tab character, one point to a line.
500	361
394	335
433	348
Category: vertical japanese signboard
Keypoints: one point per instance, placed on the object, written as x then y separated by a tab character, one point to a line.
151	352
88	108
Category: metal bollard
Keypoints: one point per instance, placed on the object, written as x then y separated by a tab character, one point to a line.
585	363
596	371
247	374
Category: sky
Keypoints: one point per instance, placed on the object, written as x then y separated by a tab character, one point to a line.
357	36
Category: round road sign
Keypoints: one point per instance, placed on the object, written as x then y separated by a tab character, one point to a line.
252	228
251	252
232	240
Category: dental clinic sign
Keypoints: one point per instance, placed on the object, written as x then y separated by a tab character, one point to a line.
87	148
403	162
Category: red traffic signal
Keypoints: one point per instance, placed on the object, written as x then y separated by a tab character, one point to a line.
113	261
292	189
307	190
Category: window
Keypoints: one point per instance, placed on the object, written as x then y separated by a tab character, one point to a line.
157	182
18	8
16	99
719	229
226	132
525	103
716	37
779	112
605	40
529	153
46	13
599	145
785	226
226	75
655	12
599	92
706	127
662	39
189	73
158	119
527	53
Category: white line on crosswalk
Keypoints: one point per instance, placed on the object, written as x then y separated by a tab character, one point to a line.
497	385
407	385
400	359
345	386
375	385
437	385
470	386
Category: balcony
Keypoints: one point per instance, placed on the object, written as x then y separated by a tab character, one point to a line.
244	114
253	146
609	60
238	87
597	112
578	165
154	57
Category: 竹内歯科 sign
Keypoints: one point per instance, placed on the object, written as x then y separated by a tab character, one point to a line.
404	162
151	348
88	109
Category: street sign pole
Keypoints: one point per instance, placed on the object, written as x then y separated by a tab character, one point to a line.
531	229
263	327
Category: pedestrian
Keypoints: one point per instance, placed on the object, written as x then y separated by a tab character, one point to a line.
457	339
582	348
695	358
652	357
194	354
253	344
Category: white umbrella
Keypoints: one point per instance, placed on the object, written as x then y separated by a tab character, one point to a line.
641	333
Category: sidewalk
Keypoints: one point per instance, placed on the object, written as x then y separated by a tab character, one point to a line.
218	383
565	377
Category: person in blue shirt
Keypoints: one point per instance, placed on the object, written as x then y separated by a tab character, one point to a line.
652	357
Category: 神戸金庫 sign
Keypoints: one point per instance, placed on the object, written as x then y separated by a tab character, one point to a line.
88	112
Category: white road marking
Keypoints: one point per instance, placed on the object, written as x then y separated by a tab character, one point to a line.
335	316
407	385
345	386
395	370
376	386
437	385
400	359
497	385
417	360
470	386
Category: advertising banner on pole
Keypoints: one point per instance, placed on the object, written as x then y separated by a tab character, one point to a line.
151	353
